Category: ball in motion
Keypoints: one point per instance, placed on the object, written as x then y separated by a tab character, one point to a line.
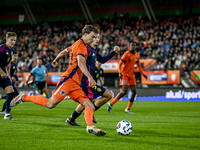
124	127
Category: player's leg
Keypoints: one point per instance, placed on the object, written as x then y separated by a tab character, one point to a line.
36	87
79	96
107	95
93	92
44	90
130	103
117	98
3	108
4	105
40	100
89	109
77	112
9	95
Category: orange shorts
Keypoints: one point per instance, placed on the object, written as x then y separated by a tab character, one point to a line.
70	88
127	81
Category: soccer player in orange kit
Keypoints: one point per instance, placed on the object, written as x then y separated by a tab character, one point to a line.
70	81
129	59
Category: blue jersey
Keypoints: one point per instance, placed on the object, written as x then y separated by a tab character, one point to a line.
98	73
39	73
92	57
13	70
5	55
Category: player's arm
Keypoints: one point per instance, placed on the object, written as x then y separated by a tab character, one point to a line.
82	66
29	76
59	56
121	62
2	73
104	59
17	80
140	69
46	75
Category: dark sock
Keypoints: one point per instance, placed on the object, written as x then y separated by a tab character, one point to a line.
8	100
75	115
4	97
4	107
96	108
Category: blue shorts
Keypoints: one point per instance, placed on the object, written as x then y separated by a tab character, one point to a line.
4	82
93	92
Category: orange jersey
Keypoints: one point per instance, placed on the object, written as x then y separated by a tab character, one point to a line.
73	71
129	60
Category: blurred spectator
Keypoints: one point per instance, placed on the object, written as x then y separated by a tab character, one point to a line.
173	41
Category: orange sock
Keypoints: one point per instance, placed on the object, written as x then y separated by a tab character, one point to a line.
88	116
40	100
129	105
114	101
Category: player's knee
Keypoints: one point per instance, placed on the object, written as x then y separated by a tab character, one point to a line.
50	106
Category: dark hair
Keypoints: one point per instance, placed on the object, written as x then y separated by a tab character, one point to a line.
89	28
15	53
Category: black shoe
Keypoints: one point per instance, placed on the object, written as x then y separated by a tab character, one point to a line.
72	123
94	120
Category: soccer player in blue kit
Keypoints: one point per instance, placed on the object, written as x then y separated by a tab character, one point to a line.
6	53
39	71
13	75
95	91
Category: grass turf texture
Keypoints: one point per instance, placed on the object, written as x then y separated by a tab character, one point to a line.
156	125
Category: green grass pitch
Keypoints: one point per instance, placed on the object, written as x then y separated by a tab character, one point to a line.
156	125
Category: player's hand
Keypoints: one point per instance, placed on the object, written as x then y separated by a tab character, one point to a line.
14	79
102	83
120	75
54	63
4	75
144	75
92	82
116	49
17	83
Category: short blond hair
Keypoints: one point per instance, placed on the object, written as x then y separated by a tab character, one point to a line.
9	34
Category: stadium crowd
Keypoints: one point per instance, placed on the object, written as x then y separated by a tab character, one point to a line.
173	41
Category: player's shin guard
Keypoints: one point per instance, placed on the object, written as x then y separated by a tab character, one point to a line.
88	116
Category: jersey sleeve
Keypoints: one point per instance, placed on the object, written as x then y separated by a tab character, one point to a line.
124	57
81	50
68	49
33	71
2	50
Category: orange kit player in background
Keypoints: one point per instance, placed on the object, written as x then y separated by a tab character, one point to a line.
70	81
129	59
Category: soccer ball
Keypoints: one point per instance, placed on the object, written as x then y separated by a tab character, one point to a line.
124	127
